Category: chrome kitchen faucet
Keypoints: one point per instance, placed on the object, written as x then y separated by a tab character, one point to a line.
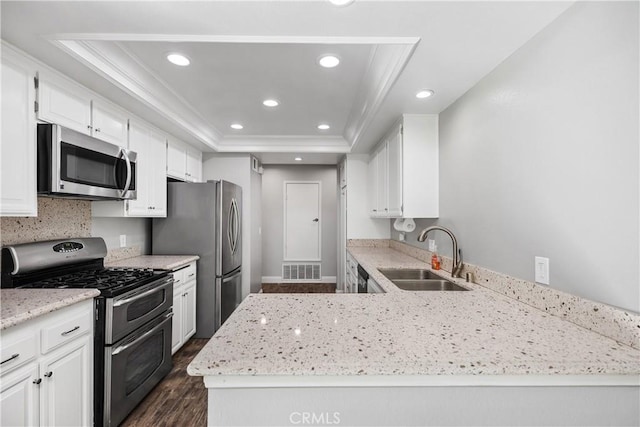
457	253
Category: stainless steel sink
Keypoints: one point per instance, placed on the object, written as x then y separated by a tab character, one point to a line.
416	279
428	285
409	274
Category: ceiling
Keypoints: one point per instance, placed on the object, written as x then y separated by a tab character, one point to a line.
243	52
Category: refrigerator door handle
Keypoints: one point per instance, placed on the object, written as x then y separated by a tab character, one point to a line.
228	279
230	228
236	225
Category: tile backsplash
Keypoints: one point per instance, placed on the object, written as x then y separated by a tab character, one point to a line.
57	219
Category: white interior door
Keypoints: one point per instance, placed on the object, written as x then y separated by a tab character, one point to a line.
302	222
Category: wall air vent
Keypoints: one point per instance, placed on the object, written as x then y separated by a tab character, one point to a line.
298	272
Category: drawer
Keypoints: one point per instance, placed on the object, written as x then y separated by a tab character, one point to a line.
190	272
178	278
17	349
66	330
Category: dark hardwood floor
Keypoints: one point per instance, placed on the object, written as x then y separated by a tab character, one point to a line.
179	399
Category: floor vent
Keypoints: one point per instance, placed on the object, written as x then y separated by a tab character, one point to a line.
301	271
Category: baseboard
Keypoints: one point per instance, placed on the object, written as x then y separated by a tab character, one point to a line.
278	279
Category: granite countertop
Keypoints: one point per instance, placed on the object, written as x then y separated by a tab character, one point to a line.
156	262
480	332
20	305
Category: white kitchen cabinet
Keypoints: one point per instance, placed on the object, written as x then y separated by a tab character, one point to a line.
404	169
352	274
151	183
183	162
18	191
184	306
109	123
47	369
72	106
378	172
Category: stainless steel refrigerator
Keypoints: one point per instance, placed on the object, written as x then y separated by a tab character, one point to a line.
205	219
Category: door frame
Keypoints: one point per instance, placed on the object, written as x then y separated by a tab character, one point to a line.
284	222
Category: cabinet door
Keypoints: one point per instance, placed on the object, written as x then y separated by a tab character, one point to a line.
373	186
157	151
194	165
19	397
67	395
189	311
138	142
109	124
18	140
176	328
394	171
176	159
64	106
381	160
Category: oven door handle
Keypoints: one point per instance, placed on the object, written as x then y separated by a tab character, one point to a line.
143	294
143	336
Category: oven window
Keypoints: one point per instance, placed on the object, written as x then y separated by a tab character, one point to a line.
144	361
89	167
144	306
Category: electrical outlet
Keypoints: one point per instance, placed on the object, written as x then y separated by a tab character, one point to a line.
542	270
432	245
123	240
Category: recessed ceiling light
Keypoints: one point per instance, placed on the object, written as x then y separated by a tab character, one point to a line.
329	61
323	126
424	93
270	103
237	126
298	159
178	59
341	2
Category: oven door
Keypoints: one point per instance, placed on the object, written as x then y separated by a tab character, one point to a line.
86	166
134	366
127	312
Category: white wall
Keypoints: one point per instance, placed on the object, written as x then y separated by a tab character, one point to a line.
541	158
137	230
273	208
236	168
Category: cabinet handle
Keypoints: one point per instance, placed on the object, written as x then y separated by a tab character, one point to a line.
89	126
375	210
38	381
69	331
192	274
13	356
184	295
385	209
97	129
48	374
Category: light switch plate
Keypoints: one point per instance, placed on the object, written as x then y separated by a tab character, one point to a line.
432	245
542	270
123	240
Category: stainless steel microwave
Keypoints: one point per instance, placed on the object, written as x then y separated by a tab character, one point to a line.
74	165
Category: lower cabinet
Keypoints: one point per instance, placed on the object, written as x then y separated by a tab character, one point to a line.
184	306
351	283
47	369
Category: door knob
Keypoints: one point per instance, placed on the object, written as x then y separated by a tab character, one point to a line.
316	220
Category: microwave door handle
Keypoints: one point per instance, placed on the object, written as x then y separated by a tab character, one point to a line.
128	182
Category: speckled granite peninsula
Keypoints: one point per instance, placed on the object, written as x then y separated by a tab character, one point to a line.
427	352
20	305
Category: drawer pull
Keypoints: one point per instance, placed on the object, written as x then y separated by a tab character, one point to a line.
13	356
38	381
192	274
69	331
48	374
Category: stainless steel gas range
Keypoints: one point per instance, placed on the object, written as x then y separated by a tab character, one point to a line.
132	316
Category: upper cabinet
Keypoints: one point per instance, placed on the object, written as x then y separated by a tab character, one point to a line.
73	107
18	137
403	170
149	145
183	161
